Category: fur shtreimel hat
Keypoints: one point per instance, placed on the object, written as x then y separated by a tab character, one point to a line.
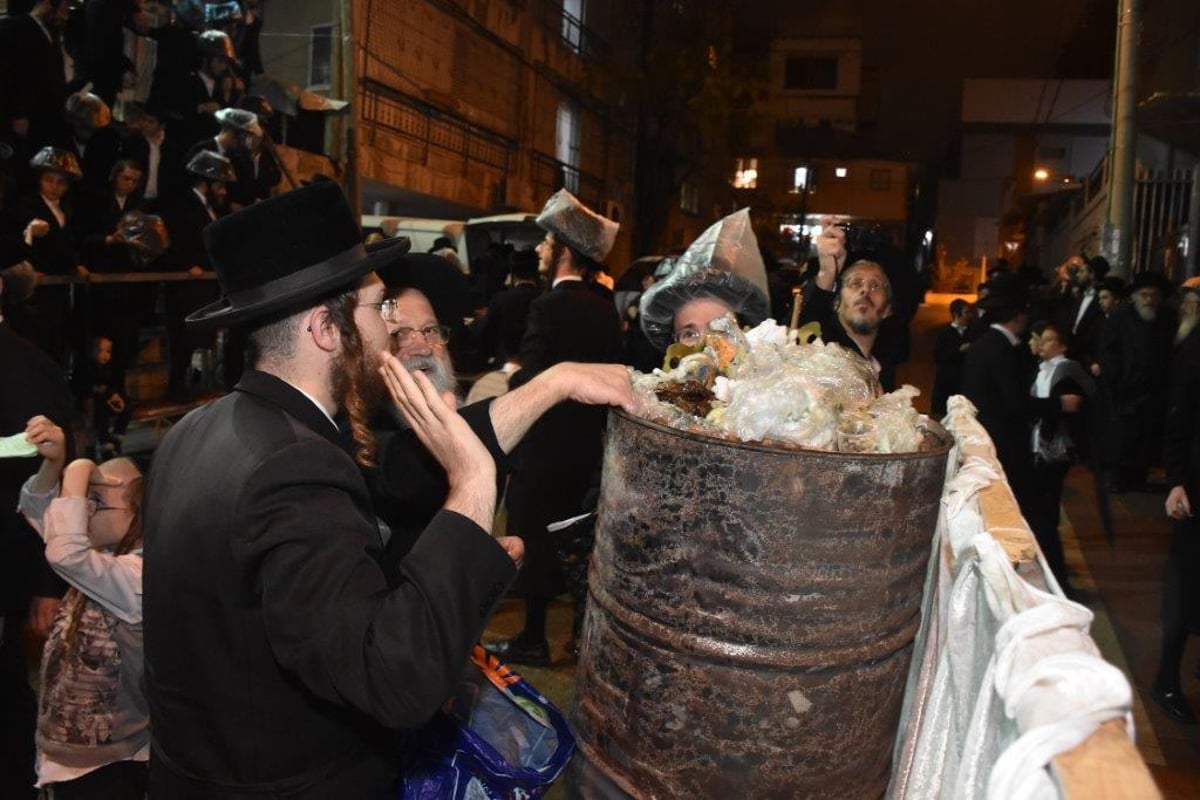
283	252
577	226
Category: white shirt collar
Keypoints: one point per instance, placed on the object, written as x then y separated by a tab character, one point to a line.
566	278
1012	337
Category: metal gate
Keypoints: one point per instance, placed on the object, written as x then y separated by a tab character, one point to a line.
1162	208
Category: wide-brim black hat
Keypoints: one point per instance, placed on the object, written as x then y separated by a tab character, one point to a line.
442	283
1150	279
1005	291
289	249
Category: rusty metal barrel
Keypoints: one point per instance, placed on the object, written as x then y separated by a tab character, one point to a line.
751	616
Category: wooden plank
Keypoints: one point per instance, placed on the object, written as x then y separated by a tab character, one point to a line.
1106	765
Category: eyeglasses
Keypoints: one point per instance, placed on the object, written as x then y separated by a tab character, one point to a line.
386	308
433	334
94	505
690	337
857	284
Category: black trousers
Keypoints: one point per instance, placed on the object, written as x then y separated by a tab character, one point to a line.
1181	600
1045	493
18	713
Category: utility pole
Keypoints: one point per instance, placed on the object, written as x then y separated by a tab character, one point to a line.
1122	153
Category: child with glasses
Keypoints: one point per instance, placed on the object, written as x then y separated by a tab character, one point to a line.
93	736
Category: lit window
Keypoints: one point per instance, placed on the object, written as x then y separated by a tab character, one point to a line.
840	171
745	176
572	24
566	145
800	179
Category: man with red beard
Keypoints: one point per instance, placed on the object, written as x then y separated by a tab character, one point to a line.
280	660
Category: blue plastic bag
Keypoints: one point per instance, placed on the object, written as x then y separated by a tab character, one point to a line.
498	738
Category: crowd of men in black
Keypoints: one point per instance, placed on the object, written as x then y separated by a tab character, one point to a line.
84	194
1088	370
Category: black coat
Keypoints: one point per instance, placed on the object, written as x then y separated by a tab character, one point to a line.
278	660
1182	441
187	216
1086	335
30	384
408	486
33	83
55	253
558	456
503	328
172	179
996	380
948	358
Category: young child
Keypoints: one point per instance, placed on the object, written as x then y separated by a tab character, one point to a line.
93	736
104	385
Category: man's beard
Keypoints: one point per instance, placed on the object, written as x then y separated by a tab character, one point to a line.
1186	324
1147	313
369	385
439	371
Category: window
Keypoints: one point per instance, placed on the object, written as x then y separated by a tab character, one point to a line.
801	179
320	57
566	145
689	198
880	180
841	172
745	175
802	72
572	24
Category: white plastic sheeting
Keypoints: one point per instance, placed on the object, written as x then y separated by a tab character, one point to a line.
1005	675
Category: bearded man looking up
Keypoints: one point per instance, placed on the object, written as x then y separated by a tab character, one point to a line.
280	660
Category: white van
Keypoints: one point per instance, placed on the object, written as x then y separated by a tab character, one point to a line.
470	237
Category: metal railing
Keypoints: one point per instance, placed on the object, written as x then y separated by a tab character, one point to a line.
550	175
431	127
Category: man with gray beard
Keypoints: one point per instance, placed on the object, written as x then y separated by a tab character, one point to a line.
409	486
1134	358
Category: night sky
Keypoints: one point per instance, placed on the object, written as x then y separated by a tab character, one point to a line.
916	53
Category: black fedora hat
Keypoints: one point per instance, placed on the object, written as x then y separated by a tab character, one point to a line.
288	249
1152	279
1005	291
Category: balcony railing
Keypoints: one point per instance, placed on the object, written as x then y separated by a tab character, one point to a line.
431	127
550	175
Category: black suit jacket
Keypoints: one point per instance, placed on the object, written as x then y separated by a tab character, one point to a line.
187	216
172	179
1086	335
502	329
1182	444
97	218
996	379
30	384
33	83
55	253
556	460
278	659
948	357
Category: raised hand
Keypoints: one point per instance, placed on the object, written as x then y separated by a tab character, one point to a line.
469	467
50	440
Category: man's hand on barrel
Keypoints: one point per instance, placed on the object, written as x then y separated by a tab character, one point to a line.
594	384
